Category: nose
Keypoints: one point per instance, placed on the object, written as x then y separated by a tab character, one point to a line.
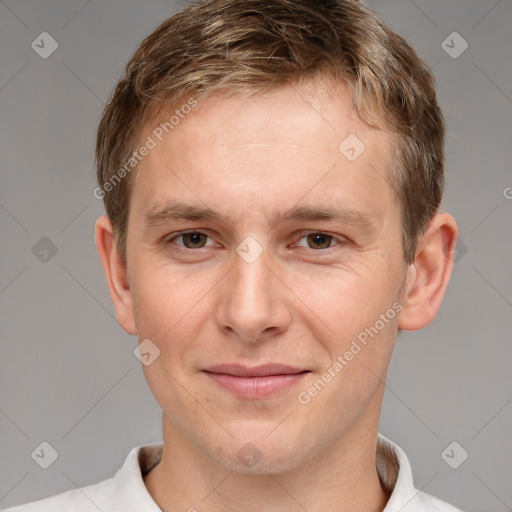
253	304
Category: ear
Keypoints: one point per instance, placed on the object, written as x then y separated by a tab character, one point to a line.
115	274
428	276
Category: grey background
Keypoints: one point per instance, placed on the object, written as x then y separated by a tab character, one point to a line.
68	375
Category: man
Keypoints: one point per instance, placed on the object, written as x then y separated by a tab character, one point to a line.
272	173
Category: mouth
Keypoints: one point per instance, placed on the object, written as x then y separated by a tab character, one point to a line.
255	382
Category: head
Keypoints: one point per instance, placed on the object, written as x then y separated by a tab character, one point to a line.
299	146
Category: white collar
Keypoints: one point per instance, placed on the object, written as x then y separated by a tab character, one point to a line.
130	493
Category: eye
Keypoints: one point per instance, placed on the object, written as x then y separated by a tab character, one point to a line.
317	240
192	240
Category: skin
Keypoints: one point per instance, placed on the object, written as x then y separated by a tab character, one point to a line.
250	161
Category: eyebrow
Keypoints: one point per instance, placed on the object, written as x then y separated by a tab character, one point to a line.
184	211
338	214
179	211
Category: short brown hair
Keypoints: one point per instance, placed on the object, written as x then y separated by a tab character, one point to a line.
249	46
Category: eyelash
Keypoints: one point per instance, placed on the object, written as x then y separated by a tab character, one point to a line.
335	240
182	234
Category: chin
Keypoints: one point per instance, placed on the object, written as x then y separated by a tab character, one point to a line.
255	454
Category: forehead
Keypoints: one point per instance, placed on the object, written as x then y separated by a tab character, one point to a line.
316	104
285	141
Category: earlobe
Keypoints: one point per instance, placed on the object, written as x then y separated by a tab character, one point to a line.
115	274
429	274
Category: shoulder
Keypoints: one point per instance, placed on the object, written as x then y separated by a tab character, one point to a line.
125	491
86	499
396	477
425	502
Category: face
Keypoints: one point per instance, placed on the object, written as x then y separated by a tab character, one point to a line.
266	264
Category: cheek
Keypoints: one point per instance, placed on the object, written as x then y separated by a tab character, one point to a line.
174	309
340	305
170	311
356	370
165	299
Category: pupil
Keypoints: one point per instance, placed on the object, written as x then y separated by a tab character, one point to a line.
319	240
194	239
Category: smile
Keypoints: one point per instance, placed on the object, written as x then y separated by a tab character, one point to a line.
258	382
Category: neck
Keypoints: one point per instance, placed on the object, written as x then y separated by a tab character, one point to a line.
342	477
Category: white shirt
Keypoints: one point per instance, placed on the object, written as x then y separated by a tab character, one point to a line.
126	492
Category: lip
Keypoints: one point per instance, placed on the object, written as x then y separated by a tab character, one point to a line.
255	382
